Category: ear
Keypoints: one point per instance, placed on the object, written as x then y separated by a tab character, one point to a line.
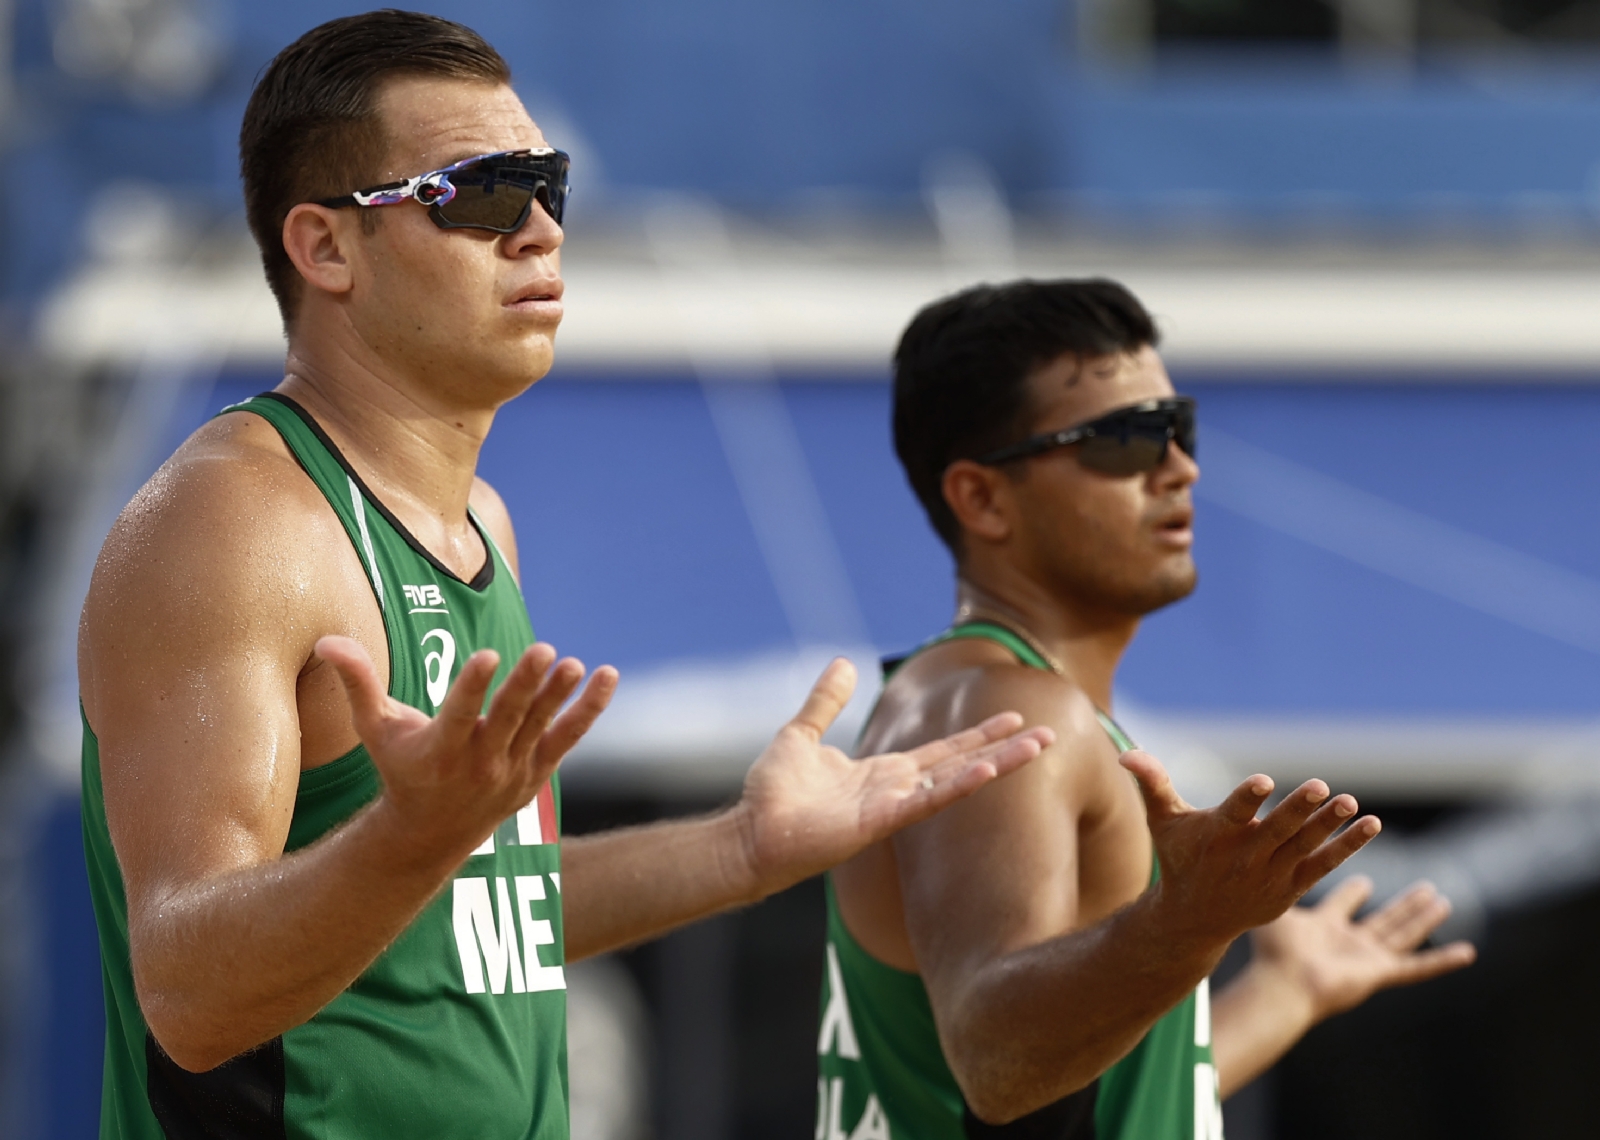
980	498
317	240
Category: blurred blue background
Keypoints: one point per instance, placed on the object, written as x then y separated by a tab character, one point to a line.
1371	229
1084	107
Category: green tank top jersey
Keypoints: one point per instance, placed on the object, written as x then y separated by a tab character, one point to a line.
459	1027
882	1074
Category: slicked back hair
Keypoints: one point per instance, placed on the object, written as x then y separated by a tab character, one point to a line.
962	367
312	128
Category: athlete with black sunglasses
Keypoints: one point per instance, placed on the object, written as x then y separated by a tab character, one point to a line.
1033	963
321	809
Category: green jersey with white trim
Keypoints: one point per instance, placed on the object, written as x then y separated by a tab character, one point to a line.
459	1027
883	1076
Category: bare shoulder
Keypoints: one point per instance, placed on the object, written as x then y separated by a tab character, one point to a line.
960	683
491	509
1007	856
228	543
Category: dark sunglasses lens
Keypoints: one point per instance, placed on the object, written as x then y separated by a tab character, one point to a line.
1120	454
497	195
484	199
546	181
1133	442
1183	429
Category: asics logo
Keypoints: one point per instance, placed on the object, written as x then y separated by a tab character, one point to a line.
437	664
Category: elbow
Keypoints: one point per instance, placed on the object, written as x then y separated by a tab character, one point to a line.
992	1101
190	1039
996	1101
982	1075
990	1105
196	1060
192	1050
1002	1083
999	1102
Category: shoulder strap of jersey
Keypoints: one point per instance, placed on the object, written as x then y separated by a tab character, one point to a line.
318	459
1027	654
994	631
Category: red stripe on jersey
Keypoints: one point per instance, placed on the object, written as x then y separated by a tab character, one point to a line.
546	803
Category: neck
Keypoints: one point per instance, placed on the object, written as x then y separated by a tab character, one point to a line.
418	451
1087	642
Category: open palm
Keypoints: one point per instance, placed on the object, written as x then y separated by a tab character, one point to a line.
808	806
1341	960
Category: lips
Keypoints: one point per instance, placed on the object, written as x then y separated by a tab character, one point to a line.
1176	526
543	291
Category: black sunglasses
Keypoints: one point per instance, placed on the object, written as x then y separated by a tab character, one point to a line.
486	192
1128	441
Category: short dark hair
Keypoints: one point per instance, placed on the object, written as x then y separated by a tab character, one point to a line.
961	370
311	129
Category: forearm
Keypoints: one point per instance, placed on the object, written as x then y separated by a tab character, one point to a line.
1254	1021
229	963
627	886
1040	1023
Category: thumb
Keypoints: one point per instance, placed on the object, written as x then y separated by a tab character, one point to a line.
1161	799
827	698
362	688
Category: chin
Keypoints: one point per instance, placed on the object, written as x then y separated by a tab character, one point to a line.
494	383
526	366
1173	586
1170	584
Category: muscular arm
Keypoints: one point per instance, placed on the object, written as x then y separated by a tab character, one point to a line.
200	629
1031	1003
1035	996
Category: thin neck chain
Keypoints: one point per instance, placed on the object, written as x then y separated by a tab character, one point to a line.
970	613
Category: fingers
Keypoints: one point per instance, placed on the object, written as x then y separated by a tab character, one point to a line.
1244	801
1313	832
571	725
1406	921
964	773
511	705
1348	897
1325	859
940	791
365	692
1283	821
1009	755
997	727
559	684
1425	964
463	704
1161	799
827	699
1003	756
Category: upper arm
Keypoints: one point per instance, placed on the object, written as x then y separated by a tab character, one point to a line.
491	509
1000	871
204	605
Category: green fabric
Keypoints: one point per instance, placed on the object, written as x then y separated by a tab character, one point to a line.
459	1028
882	1074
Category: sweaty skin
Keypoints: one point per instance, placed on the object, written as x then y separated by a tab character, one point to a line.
1025	908
230	641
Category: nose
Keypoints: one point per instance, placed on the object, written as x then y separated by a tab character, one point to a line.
539	234
1177	469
